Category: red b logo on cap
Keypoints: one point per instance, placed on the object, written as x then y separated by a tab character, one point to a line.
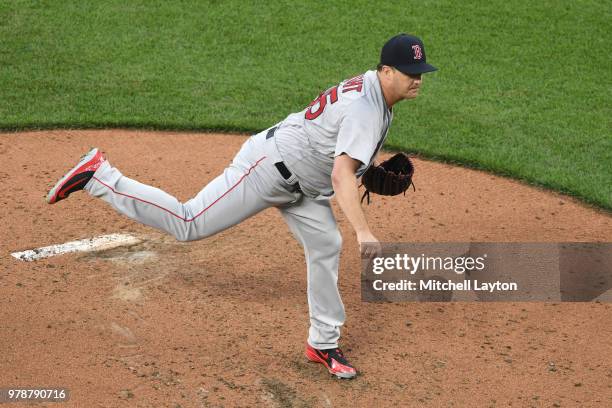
418	54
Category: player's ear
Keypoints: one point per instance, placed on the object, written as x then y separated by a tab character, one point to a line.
387	70
382	68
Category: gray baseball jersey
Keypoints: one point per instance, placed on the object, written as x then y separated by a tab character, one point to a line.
350	118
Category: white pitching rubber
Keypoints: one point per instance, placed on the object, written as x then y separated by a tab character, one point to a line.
100	243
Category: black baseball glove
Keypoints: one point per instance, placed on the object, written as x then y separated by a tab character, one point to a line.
391	177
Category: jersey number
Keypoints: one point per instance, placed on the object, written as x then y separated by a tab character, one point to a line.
321	101
353	84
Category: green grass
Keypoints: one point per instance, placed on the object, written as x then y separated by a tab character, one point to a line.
524	87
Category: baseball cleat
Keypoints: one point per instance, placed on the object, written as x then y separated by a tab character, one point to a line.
333	359
77	177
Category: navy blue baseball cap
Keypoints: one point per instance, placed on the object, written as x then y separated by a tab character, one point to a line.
406	53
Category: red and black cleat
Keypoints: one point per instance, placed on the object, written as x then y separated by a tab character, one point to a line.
333	359
77	177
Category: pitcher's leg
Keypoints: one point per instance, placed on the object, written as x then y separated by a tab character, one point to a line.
313	224
225	201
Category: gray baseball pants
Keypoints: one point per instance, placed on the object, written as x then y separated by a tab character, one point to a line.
249	185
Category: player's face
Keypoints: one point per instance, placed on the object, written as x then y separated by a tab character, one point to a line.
397	85
406	85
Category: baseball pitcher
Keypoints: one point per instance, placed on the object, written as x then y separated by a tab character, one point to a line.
296	166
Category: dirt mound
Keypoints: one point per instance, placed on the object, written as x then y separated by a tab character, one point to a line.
223	321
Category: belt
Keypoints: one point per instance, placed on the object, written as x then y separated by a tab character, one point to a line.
280	166
271	132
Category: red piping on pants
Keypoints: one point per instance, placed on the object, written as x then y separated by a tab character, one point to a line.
176	215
